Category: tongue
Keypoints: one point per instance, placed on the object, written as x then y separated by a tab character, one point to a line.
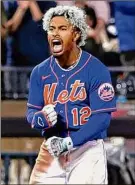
57	48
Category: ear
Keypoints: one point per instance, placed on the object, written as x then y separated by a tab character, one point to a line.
77	35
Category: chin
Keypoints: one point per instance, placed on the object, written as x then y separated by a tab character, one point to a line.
58	54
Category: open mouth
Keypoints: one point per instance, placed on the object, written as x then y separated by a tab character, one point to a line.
57	46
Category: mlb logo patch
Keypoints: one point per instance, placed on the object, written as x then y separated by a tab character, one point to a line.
106	92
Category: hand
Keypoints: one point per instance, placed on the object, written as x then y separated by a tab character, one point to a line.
9	23
57	145
50	113
45	118
4	32
24	4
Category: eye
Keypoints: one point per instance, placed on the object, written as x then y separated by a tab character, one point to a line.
51	29
63	28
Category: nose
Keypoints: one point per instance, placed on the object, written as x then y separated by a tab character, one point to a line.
56	32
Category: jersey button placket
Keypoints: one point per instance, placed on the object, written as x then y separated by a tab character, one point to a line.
62	81
63	75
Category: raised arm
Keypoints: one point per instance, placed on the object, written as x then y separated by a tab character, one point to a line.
18	16
35	11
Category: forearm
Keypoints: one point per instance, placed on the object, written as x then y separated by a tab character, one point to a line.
35	11
100	29
18	17
100	26
96	124
36	118
42	118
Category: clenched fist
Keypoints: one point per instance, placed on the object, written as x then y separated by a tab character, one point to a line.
57	145
50	113
45	118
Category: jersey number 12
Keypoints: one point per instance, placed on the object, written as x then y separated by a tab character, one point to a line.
80	117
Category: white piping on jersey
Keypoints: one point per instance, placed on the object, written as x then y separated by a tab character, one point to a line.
72	66
101	110
35	106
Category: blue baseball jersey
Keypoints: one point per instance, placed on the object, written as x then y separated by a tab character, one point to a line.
83	97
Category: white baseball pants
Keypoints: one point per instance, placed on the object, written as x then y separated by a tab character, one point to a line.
84	165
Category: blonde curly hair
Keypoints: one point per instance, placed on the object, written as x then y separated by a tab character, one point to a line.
73	14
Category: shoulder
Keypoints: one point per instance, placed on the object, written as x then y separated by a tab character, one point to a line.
94	64
96	69
98	65
42	68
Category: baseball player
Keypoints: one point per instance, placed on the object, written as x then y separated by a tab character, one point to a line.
70	101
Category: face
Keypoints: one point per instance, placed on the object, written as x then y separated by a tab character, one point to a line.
62	36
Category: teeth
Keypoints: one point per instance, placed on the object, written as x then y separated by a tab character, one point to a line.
55	40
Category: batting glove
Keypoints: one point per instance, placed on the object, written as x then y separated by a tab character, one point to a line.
58	145
50	113
45	118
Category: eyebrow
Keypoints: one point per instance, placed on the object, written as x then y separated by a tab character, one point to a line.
61	26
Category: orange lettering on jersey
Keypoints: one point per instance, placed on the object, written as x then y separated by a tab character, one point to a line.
49	94
64	96
81	94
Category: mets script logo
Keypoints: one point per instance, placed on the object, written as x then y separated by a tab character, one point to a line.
77	92
106	92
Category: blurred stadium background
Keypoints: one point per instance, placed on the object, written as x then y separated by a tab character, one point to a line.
111	38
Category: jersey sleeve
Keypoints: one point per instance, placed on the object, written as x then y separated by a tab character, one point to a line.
35	98
94	129
35	115
101	92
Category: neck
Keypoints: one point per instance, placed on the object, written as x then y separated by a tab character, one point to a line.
69	58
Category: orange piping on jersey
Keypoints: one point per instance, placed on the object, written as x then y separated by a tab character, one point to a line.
47	99
67	84
54	74
53	71
35	106
98	110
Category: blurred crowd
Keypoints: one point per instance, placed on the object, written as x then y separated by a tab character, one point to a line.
111	36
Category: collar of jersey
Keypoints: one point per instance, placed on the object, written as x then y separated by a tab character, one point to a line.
71	67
